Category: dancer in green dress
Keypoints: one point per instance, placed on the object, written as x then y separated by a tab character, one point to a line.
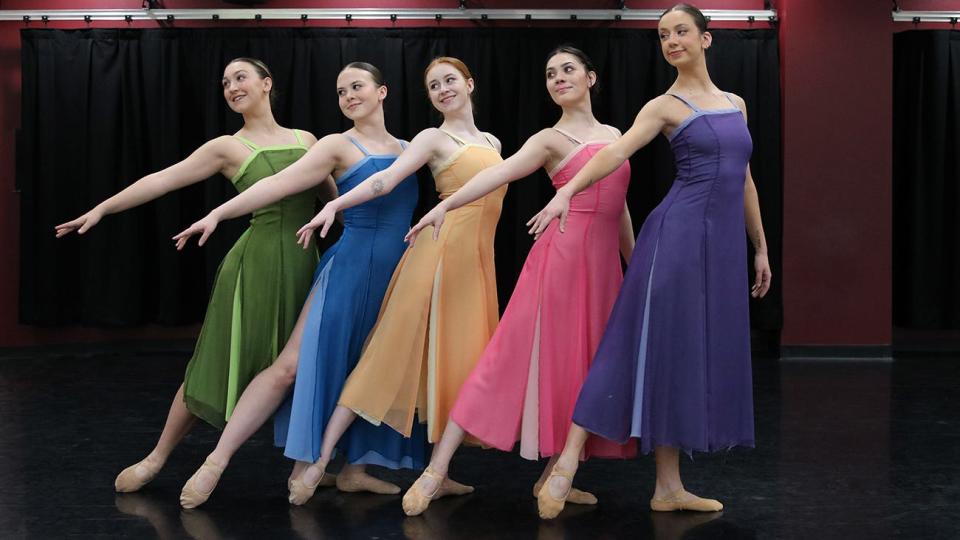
262	282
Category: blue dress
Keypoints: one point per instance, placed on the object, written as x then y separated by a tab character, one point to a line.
348	288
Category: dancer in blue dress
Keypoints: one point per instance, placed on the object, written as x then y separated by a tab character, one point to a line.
348	287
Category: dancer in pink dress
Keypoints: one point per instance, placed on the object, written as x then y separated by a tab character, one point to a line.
526	383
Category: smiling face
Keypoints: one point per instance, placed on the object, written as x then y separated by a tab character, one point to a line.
358	94
568	80
447	87
244	88
681	40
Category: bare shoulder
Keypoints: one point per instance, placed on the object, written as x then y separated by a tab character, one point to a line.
309	139
614	129
738	101
496	141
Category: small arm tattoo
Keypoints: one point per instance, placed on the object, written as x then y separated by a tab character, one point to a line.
377	186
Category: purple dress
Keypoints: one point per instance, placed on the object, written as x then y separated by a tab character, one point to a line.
673	367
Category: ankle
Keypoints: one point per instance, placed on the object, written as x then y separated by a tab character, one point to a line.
156	458
668	487
567	465
438	468
218	460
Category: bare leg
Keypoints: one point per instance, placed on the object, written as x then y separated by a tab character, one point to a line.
576	496
670	494
178	424
302	488
434	483
551	499
258	402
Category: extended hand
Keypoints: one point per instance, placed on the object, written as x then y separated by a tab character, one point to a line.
321	221
761	283
82	224
204	228
434	217
558	207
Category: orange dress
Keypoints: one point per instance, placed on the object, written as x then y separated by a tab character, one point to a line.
439	311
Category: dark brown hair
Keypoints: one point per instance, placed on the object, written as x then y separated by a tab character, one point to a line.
262	70
375	73
584	60
698	18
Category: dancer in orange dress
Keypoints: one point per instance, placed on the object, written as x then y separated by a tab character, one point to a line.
527	381
440	308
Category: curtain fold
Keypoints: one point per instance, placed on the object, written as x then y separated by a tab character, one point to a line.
102	108
926	179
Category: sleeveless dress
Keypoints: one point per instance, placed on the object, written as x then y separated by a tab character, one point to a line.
439	311
348	287
527	381
673	368
257	294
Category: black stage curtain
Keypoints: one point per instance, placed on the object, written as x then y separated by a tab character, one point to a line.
103	107
926	179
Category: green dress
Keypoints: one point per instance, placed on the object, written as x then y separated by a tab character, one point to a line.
260	287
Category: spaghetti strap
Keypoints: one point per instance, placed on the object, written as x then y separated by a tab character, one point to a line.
358	145
485	136
685	101
566	134
730	99
296	133
458	140
248	143
403	144
612	131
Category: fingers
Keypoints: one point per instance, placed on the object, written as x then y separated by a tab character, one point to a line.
563	219
305	238
436	231
326	228
412	233
203	237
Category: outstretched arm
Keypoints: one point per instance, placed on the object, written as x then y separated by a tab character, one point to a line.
648	123
417	154
531	156
204	162
308	171
311	169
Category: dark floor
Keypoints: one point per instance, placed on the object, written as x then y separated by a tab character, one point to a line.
844	450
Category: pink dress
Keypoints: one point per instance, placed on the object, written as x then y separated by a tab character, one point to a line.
525	385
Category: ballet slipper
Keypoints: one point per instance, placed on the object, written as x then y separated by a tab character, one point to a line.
451	487
190	496
328	480
416	501
361	481
683	500
300	492
575	496
549	506
137	475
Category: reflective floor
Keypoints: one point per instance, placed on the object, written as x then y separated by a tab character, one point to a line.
844	450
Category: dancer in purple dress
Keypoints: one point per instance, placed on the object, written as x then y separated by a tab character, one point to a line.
673	367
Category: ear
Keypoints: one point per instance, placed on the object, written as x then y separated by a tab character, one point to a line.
382	92
267	84
591	78
470	85
706	40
